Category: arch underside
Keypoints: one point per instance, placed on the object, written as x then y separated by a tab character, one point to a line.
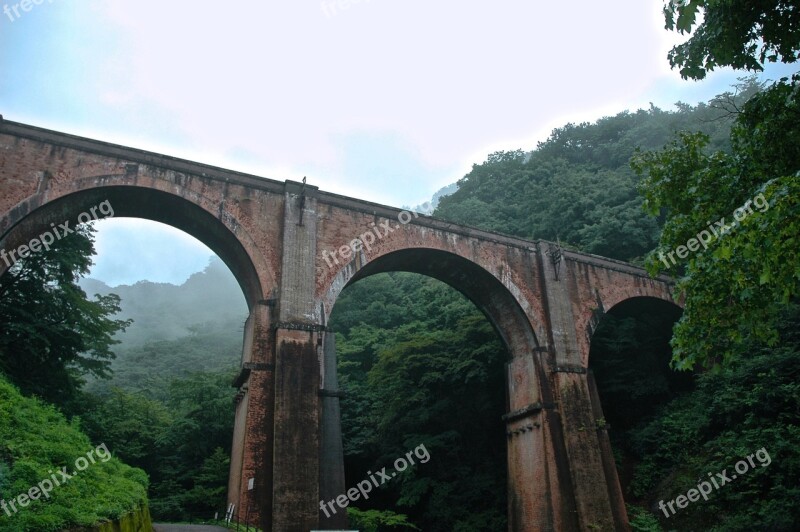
653	303
36	215
481	287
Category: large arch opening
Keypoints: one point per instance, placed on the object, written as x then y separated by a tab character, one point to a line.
491	297
629	361
173	418
425	341
34	217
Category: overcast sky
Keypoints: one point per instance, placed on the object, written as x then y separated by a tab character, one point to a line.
381	100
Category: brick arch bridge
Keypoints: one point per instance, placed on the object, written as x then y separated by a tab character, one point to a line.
291	247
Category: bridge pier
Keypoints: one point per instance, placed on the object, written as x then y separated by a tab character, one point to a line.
295	484
594	483
298	347
331	452
533	491
250	481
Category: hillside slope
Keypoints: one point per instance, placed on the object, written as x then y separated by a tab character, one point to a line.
577	186
176	330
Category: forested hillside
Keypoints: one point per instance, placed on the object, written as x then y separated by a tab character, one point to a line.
578	186
175	330
210	300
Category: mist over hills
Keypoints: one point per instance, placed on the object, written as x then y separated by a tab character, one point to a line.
210	299
176	330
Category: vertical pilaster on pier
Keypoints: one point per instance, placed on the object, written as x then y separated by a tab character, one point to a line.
298	341
331	480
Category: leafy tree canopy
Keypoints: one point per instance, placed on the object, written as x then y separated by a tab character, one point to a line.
742	34
577	185
35	441
52	335
746	206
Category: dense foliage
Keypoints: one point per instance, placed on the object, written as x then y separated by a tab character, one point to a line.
750	404
37	440
181	436
746	206
52	335
421	366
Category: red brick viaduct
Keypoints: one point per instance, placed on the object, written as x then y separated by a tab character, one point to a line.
544	304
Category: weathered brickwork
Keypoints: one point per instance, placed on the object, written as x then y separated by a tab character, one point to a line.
284	243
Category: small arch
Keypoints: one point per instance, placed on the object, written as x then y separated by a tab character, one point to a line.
659	295
637	306
630	372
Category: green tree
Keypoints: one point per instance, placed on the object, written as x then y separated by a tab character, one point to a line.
130	423
750	269
192	469
180	436
209	484
52	335
376	520
742	34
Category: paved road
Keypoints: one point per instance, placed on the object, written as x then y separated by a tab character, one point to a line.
187	528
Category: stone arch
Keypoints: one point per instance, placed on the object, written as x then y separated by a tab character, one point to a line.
660	304
611	296
616	410
503	310
664	302
533	447
661	292
624	297
184	210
